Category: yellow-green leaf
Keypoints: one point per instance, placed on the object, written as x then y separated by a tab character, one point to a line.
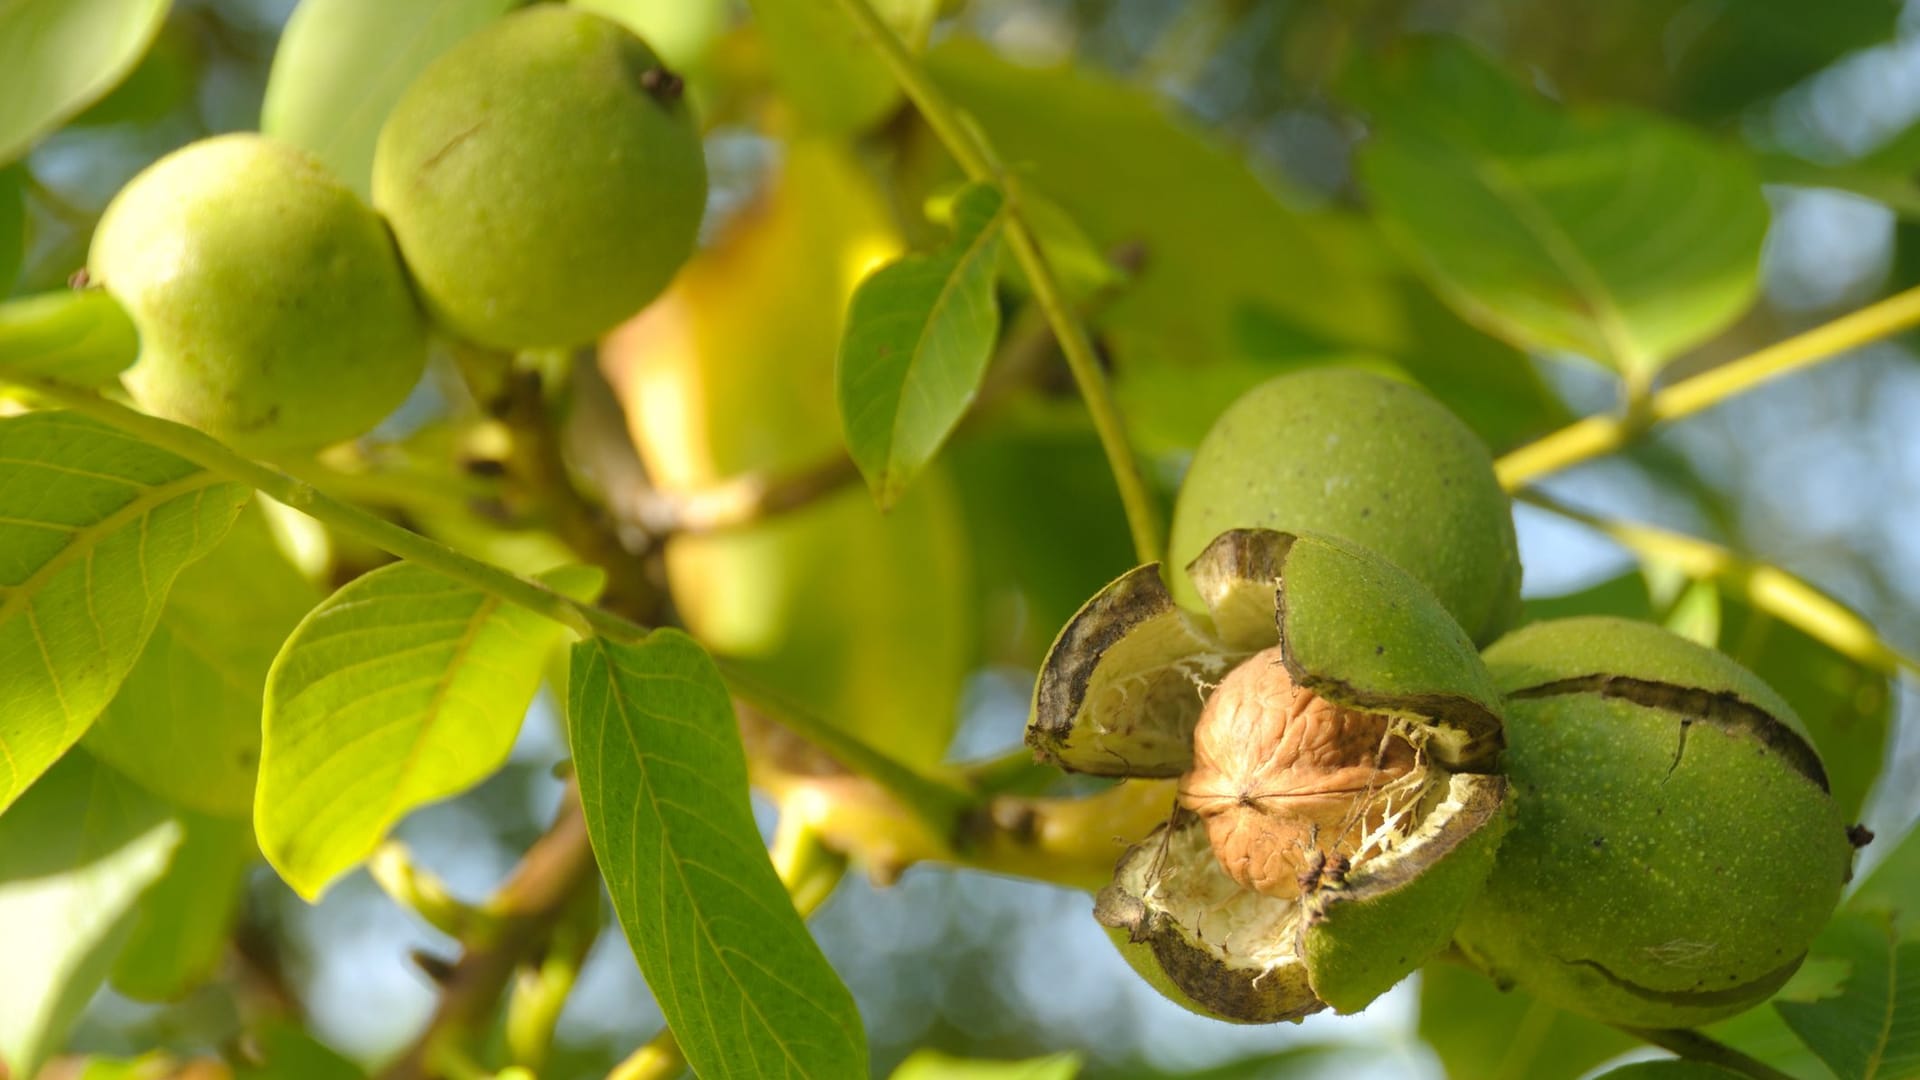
59	56
400	689
94	525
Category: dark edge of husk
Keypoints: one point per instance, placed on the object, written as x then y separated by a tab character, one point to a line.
1237	994
1481	808
1724	710
1731	998
1262	554
1135	597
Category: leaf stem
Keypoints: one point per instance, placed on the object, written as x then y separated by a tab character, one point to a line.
1596	436
583	619
938	803
1767	587
1694	1046
970	150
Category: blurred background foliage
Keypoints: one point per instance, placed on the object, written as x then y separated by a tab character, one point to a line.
1231	188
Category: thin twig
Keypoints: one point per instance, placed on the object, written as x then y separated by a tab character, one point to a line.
1767	587
969	149
1597	436
523	912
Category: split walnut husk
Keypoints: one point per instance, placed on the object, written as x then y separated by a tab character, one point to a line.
1335	736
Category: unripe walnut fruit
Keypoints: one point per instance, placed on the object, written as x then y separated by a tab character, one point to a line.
272	308
1333	730
1367	459
1287	780
1674	850
544	178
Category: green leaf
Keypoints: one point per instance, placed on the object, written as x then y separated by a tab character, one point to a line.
186	722
1216	240
402	688
663	781
1668	1070
1609	233
680	31
1482	1033
94	525
919	334
934	1065
342	64
76	853
284	1052
823	64
1872	1027
83	338
1893	888
180	933
13	227
59	56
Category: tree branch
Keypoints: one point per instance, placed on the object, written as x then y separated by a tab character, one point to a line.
523	913
1596	436
1765	586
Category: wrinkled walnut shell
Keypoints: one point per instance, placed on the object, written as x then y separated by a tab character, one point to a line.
1285	779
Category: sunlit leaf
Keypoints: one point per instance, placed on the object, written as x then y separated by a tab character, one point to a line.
94	525
82	338
1872	1027
342	64
1612	234
59	56
824	66
663	781
919	334
186	722
1482	1033
402	688
76	853
934	1065
180	932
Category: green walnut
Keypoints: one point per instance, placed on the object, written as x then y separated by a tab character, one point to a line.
272	308
1333	732
1674	849
544	179
1362	457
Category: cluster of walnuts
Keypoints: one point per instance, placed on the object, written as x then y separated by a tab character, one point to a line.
1624	822
537	184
